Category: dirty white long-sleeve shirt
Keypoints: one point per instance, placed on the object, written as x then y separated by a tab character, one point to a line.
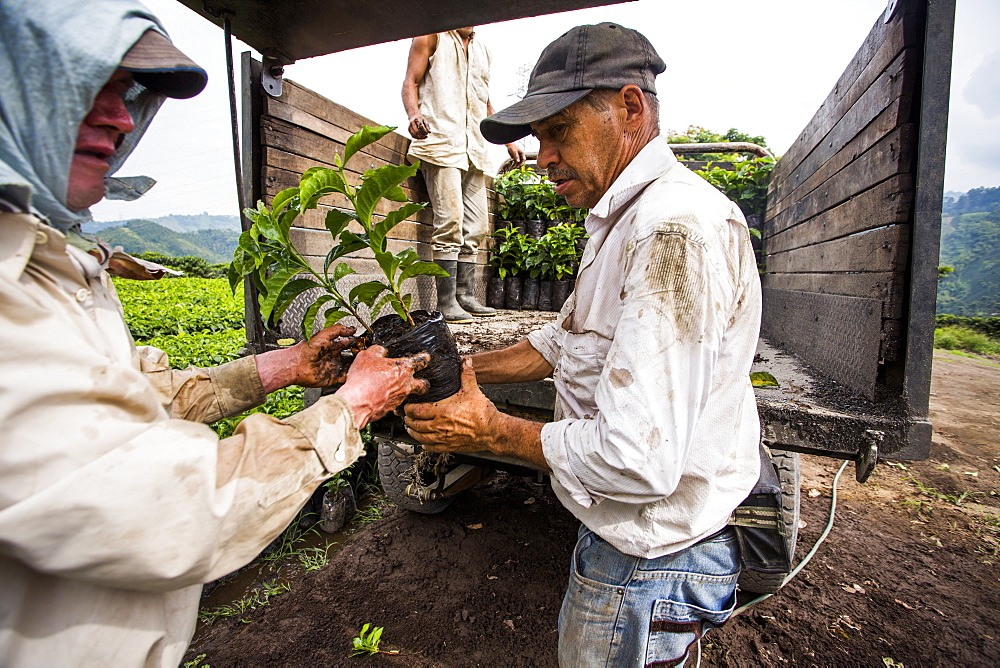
113	510
656	431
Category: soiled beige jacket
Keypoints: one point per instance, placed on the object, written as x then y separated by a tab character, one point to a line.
115	504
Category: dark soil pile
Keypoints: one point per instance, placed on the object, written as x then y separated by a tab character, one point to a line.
909	575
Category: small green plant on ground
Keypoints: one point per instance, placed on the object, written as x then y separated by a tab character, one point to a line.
315	558
367	642
196	662
933	493
268	257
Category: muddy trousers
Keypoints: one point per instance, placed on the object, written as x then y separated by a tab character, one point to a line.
628	612
458	203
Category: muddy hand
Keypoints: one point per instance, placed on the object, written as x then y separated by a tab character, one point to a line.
460	423
318	362
419	127
376	384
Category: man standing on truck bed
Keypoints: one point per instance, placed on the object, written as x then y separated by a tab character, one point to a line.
656	435
115	502
446	95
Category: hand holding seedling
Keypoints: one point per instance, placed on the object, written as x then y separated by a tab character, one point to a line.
376	384
469	422
313	363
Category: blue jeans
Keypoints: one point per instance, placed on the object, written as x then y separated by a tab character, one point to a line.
622	611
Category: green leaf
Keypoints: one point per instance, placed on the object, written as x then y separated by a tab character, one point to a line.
382	182
288	294
333	316
363	137
337	220
317	182
274	285
235	276
421	269
342	270
366	293
309	319
381	229
763	379
283	198
389	264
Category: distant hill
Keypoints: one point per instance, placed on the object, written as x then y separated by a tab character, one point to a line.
144	236
177	223
970	243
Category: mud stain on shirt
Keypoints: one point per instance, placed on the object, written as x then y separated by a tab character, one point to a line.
621	378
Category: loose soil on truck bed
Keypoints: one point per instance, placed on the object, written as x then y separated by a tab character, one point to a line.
908	576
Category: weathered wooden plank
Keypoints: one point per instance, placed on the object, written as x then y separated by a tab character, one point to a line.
839	335
892	155
885	287
296	143
888	203
884	249
883	44
299	97
299	118
885	105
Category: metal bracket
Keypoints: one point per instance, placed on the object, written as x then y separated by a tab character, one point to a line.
868	457
890	10
271	76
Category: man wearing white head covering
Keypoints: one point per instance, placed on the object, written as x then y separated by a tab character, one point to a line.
116	503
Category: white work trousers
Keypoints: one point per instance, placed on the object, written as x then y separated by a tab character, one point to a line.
458	202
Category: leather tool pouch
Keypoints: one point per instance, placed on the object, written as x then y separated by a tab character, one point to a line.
759	524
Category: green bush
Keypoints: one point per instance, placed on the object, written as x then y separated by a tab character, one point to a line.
952	337
989	326
746	183
157	308
193	267
280	404
201	349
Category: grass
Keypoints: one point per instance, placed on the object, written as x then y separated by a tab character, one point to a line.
257	598
931	492
951	337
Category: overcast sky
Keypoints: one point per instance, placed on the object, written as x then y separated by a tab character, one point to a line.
762	67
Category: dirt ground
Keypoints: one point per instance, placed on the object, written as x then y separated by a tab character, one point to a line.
908	576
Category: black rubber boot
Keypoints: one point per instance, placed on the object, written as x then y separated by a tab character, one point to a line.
452	312
465	291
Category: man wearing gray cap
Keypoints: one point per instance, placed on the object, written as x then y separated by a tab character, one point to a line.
655	438
116	502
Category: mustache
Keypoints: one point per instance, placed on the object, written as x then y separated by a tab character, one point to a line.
556	173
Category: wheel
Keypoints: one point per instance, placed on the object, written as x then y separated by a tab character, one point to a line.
395	471
787	464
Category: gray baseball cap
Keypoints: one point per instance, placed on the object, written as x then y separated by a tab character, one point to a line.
585	58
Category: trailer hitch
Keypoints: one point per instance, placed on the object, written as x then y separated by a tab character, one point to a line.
868	454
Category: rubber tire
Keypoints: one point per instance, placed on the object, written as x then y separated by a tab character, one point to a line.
393	470
790	477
